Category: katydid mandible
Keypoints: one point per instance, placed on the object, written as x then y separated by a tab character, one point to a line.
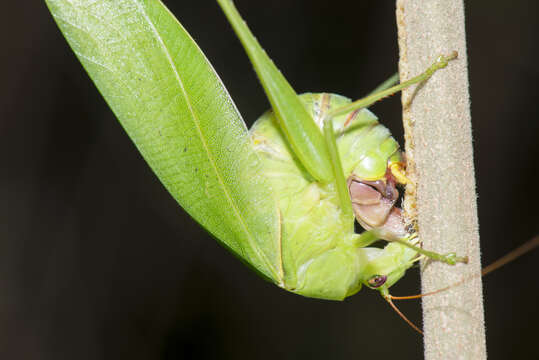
283	196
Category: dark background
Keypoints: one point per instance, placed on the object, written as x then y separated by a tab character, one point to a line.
97	261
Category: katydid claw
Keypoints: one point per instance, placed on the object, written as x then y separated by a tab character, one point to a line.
453	259
443	60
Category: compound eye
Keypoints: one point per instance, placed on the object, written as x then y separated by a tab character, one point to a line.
377	280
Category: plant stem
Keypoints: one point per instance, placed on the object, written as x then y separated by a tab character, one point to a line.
439	152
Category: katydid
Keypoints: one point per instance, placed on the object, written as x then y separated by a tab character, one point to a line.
283	196
322	256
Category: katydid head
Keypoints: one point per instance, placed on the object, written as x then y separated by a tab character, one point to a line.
382	283
384	267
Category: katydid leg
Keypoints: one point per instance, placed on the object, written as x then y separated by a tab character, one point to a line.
340	181
392	81
298	126
450	259
440	63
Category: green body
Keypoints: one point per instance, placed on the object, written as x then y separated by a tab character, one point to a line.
277	197
322	257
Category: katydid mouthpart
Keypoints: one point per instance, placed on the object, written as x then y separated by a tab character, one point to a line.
282	196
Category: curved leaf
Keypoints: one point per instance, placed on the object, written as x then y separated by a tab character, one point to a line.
181	118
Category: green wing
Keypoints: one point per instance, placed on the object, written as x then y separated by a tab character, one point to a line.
179	115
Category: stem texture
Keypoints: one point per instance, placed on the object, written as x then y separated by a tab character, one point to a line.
439	152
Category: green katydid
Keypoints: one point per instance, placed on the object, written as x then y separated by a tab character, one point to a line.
281	196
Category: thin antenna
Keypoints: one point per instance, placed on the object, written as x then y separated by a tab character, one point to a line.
388	299
512	255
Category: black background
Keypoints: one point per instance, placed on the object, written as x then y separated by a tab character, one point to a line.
97	261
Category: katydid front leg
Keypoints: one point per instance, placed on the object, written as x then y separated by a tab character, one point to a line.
440	63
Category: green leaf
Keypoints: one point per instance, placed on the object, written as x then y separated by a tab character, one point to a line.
179	115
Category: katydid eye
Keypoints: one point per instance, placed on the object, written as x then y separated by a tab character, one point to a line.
377	281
